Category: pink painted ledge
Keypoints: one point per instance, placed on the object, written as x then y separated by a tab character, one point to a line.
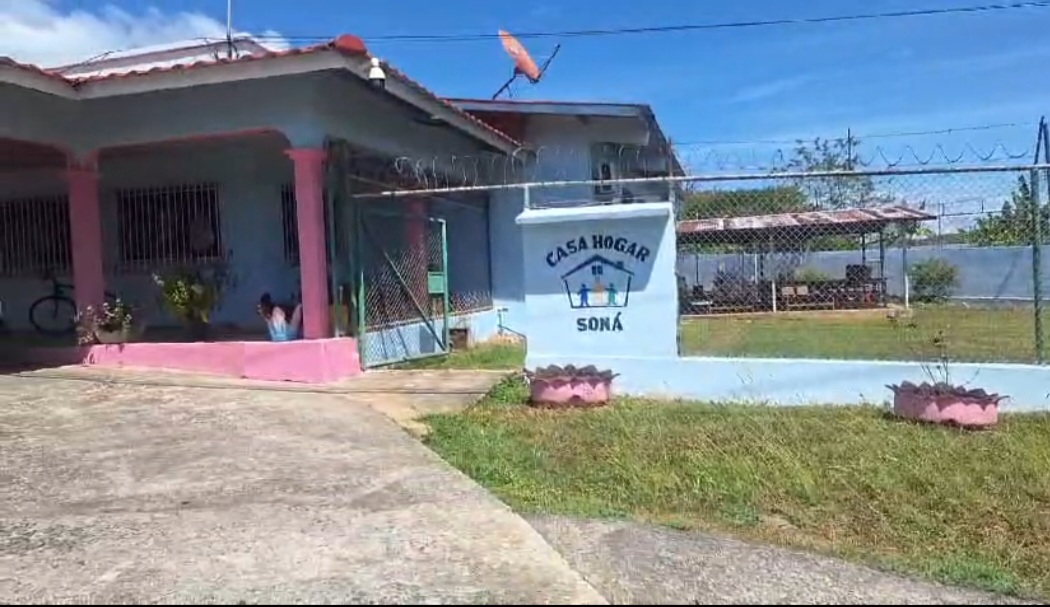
310	361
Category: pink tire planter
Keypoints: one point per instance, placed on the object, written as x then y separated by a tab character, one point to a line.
569	387
946	405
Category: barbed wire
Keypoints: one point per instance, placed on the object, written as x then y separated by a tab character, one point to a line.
551	163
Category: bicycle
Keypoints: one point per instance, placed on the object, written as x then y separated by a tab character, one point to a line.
56	312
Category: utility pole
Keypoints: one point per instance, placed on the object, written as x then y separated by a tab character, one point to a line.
849	149
229	29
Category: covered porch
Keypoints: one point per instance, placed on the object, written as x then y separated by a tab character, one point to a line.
162	176
774	277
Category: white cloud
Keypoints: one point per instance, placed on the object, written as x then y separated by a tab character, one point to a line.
38	32
773	88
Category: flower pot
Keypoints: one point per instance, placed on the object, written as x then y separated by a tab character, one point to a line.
119	336
569	386
945	405
570	392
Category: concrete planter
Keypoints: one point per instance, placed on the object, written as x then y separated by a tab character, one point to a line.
121	336
565	387
946	405
118	336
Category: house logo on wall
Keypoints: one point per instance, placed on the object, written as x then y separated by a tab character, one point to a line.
598	283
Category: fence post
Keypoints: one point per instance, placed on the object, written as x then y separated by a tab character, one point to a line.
1037	265
905	241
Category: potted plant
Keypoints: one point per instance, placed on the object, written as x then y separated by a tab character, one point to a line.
191	295
109	323
943	401
569	386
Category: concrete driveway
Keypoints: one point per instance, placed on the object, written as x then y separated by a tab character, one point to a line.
117	493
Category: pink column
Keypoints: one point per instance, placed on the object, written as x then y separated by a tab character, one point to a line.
416	249
85	221
313	263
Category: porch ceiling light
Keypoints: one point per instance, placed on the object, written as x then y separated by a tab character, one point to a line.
376	75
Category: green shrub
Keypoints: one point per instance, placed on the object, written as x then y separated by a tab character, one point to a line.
811	275
933	280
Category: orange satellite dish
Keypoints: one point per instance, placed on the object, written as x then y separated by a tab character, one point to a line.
523	63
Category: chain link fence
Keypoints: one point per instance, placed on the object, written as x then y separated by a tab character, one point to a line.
817	252
405	304
893	265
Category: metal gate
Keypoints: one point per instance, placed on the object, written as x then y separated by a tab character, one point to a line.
402	298
389	270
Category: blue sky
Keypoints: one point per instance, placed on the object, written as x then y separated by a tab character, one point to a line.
760	84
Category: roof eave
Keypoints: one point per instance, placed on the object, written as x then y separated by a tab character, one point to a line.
410	91
247	68
29	77
211	73
612	110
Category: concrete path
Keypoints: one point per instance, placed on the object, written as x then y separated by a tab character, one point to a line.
404	395
631	563
125	492
149	487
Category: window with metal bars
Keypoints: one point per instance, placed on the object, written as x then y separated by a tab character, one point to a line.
169	225
35	237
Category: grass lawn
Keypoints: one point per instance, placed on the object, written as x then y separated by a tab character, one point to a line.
964	508
483	356
973	334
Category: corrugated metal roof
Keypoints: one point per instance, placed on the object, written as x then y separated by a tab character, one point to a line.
843	218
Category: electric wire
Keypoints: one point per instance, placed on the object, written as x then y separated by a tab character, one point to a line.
690	27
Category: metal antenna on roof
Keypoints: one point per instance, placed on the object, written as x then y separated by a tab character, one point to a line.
229	29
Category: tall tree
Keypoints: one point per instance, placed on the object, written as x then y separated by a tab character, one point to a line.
706	204
833	191
1014	224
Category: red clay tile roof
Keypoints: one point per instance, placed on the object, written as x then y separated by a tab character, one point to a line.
345	44
26	67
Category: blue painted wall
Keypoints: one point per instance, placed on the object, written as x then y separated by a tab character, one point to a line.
249	172
416	339
563	147
394	330
985	273
796	382
485	244
643	350
629	246
466	219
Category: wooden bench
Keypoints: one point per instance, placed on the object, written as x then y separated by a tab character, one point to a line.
798	297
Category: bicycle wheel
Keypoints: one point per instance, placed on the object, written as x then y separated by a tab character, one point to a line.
53	315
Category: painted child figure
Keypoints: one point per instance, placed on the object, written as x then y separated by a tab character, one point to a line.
280	325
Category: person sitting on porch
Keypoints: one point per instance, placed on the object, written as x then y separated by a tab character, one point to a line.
278	323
